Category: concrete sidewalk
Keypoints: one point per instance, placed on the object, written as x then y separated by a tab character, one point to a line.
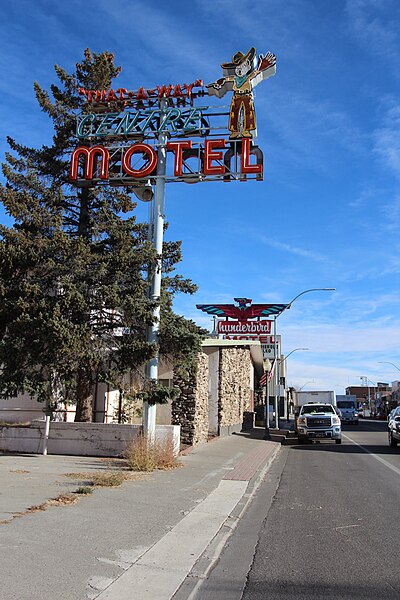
137	541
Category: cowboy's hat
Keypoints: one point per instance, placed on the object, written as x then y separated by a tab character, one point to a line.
238	58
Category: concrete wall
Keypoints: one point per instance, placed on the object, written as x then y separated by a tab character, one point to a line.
79	439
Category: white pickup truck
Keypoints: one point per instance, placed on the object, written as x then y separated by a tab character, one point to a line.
318	421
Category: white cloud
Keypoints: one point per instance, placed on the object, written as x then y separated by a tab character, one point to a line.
375	25
309	131
316	376
387	146
269	241
343	339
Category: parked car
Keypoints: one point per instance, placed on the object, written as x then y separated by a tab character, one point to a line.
394	427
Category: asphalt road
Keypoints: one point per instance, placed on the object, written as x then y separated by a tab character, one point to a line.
324	525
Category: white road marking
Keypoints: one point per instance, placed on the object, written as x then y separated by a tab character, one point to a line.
381	460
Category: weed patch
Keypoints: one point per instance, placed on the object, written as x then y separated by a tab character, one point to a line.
13	424
109	479
83	490
143	455
62	500
104	478
19	471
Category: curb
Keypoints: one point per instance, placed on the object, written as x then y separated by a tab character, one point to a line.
210	557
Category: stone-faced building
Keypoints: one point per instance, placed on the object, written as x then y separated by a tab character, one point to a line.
221	391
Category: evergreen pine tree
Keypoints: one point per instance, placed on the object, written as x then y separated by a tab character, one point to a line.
74	304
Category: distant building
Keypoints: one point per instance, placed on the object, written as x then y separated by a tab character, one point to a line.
377	398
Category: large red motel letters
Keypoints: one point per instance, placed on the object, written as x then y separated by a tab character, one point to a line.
97	158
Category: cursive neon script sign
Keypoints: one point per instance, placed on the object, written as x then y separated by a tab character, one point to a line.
124	96
176	121
244	327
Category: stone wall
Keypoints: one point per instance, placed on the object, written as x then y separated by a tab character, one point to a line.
190	408
234	388
232	393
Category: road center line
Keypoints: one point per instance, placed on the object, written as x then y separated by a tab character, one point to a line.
382	460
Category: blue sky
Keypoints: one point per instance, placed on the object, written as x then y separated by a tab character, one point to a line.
328	211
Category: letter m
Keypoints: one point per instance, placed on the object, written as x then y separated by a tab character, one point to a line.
91	158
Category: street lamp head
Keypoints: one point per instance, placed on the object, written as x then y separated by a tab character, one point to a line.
324	289
291	352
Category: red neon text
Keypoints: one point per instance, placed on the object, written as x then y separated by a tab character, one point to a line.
123	95
95	160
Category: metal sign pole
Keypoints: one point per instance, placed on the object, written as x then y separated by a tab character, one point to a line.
276	378
149	410
266	423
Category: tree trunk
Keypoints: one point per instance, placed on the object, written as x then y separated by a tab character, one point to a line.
84	216
84	397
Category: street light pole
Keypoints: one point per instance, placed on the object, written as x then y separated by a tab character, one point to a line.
306	383
388	363
366	383
276	380
275	344
369	397
295	350
266	421
280	364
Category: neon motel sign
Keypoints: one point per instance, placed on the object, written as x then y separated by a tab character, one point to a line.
120	130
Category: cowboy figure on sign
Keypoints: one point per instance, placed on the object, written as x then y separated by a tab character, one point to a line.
241	76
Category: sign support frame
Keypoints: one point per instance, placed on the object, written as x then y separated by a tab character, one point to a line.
157	234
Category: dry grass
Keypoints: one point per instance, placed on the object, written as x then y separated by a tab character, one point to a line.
14	424
109	479
143	455
140	457
104	478
62	500
92	480
19	471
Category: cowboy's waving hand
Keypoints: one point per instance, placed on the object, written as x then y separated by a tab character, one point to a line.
267	61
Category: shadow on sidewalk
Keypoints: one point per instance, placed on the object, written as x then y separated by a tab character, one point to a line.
285	432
